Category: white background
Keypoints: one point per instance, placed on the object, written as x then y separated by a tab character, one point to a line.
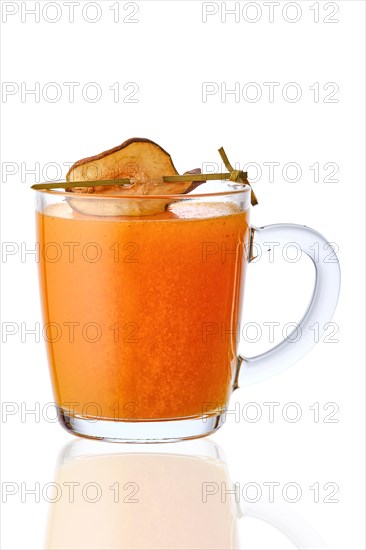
169	53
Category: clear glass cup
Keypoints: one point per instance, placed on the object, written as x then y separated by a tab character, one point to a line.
142	312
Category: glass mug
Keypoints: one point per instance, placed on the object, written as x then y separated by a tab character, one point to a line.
127	499
131	306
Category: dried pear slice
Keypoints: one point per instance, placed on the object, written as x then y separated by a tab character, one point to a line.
138	159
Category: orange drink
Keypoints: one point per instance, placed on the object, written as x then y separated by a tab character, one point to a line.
141	312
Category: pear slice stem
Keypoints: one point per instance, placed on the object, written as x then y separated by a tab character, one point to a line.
237	175
72	184
197	177
127	182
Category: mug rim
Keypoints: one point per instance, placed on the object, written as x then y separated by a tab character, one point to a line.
245	188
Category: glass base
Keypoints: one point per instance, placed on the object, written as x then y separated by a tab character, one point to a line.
152	431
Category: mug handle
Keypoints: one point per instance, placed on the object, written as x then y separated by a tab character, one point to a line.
320	310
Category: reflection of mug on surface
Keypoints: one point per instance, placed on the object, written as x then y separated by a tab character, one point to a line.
142	312
109	499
